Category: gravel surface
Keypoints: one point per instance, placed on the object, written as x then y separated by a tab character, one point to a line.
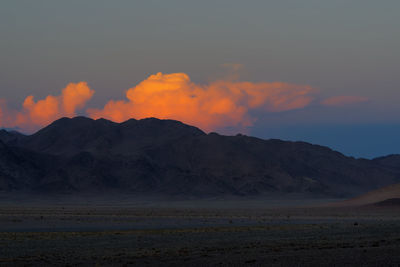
112	236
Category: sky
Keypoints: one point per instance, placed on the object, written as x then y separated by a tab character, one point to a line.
325	72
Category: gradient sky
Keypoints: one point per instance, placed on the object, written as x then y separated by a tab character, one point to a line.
340	48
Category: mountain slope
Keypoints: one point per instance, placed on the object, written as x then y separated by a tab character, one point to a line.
390	161
17	170
153	156
377	196
10	136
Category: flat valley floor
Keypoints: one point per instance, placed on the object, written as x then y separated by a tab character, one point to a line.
197	233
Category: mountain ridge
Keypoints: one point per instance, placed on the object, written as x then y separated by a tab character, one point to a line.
153	156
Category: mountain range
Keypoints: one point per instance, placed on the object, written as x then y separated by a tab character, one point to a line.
166	157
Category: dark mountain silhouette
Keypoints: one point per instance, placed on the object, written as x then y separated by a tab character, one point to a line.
71	136
390	161
10	136
153	156
18	170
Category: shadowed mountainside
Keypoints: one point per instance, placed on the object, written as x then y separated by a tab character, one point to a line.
390	161
10	136
153	156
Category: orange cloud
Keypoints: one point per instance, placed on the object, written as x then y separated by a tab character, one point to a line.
211	106
75	96
343	100
7	117
37	114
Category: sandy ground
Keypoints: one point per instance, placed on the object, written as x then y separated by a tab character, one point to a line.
197	233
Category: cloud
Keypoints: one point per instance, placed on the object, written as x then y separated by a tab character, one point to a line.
211	106
75	96
7	117
343	100
34	115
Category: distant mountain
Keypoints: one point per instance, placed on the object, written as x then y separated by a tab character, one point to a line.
153	156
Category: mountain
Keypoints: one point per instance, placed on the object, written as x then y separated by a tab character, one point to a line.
71	136
153	156
10	136
390	161
17	170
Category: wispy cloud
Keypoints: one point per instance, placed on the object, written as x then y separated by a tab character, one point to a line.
343	100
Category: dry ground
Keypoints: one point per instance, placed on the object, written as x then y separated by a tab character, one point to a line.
198	235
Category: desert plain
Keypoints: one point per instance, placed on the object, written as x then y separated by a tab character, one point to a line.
206	232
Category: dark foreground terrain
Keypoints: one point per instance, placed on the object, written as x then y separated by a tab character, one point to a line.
198	233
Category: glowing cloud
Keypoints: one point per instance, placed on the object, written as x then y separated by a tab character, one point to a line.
40	113
212	106
343	100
